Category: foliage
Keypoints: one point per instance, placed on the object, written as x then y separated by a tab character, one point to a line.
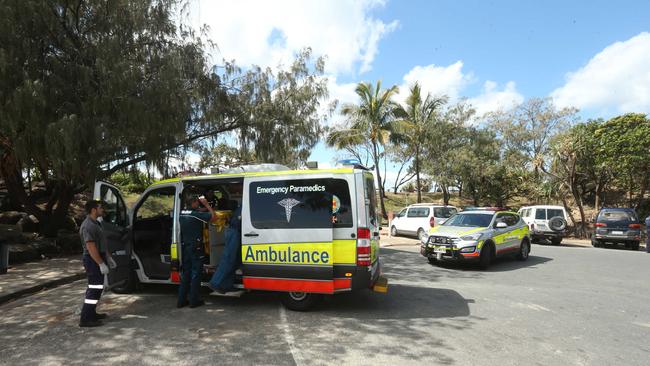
624	145
93	87
278	112
133	181
415	126
369	121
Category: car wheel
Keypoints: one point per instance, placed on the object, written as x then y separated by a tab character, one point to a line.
635	246
432	260
596	243
556	241
300	301
486	256
524	250
393	231
421	234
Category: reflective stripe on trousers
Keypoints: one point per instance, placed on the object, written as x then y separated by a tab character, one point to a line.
94	290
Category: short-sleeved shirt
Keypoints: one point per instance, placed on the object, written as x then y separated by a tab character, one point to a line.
91	230
192	225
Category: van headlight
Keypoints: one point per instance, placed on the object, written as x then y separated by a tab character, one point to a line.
471	237
467	250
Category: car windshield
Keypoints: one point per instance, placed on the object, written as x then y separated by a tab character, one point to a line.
469	220
444	212
616	216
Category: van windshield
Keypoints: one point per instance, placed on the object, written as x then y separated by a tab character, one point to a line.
444	212
469	220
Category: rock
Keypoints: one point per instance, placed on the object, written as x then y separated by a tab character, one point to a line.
35	249
29	224
68	242
11	217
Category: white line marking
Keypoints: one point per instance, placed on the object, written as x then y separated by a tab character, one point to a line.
288	337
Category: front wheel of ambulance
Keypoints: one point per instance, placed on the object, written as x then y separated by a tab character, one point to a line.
300	301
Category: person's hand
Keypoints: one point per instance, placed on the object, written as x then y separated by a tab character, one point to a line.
111	263
203	201
103	268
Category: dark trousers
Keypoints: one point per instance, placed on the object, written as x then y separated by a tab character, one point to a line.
94	290
224	278
190	274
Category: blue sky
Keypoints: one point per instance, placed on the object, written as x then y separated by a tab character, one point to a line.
593	55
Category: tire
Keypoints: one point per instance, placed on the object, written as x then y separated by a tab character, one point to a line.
486	256
596	243
524	250
556	241
557	223
421	234
635	246
432	260
393	231
300	301
129	286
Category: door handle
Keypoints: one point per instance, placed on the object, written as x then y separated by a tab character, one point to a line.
252	234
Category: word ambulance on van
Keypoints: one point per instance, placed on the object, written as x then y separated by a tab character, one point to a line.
304	232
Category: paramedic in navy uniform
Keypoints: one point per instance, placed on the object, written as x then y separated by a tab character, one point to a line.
192	250
95	257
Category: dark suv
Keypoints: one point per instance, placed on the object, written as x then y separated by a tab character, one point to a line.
617	226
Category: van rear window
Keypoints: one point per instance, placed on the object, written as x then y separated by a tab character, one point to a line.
444	212
300	204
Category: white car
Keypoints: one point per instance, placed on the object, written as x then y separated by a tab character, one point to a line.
545	222
418	218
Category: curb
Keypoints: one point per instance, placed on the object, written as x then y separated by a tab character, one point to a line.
42	286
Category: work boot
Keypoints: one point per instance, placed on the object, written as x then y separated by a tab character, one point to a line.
196	305
90	323
100	316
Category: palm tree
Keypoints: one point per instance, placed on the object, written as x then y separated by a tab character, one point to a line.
417	121
370	121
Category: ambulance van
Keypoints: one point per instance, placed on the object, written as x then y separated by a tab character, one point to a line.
305	233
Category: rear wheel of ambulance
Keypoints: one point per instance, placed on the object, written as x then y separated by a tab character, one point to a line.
300	301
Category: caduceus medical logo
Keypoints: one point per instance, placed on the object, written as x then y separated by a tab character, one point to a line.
288	204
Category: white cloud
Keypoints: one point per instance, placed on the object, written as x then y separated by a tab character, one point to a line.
452	82
268	33
616	79
437	80
493	99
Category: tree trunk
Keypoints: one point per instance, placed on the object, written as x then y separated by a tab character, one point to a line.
379	181
418	184
445	194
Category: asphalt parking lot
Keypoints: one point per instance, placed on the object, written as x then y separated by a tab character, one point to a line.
567	305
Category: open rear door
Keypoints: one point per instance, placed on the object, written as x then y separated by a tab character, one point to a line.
115	225
287	233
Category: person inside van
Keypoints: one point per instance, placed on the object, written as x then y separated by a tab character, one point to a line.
192	221
223	279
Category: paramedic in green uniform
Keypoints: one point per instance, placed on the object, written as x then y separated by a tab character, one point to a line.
192	250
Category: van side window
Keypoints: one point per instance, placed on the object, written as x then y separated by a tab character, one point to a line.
341	203
540	214
371	198
295	204
418	212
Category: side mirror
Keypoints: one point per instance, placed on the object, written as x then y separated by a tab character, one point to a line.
501	225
